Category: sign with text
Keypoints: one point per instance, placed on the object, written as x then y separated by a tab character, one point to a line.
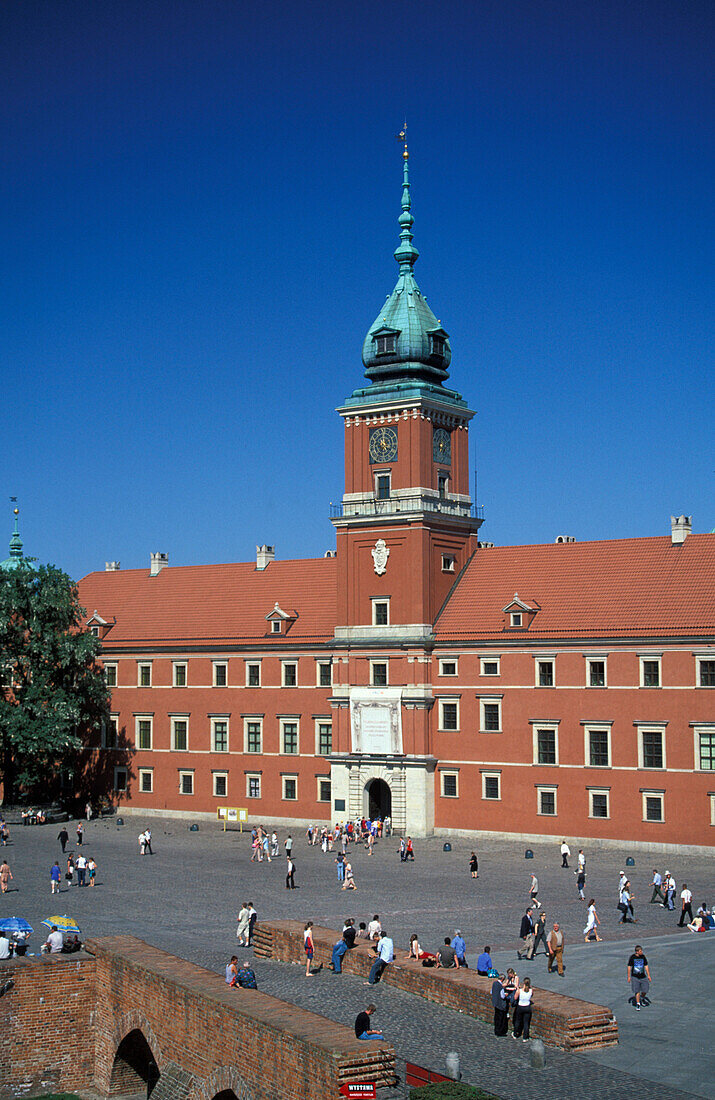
232	813
376	721
366	1090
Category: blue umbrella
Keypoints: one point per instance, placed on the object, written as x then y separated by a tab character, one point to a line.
15	924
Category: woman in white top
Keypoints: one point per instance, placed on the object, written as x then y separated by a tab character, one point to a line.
522	1011
591	922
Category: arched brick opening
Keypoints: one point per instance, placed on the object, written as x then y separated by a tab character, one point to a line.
134	1069
223	1084
226	1094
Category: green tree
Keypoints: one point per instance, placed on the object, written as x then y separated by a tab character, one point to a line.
52	690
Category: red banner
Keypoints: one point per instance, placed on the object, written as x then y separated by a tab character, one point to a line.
359	1090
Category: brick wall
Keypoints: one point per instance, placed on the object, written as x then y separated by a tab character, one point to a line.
46	1024
564	1022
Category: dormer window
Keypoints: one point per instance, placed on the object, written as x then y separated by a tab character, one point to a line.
520	614
385	345
280	621
437	345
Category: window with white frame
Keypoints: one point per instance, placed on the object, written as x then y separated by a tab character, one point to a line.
253	785
253	674
546	743
711	796
120	779
324	789
144	731
448	666
110	732
179	733
653	805
598	746
705	748
289	736
179	668
220	784
324	674
546	801
545	672
378	673
220	672
491	786
490	714
276	626
146	780
144	674
382	485
380	611
489	666
705	672
650	671
516	618
596	672
290	788
253	734
599	802
110	675
323	738
290	674
449	782
448	563
651	747
219	734
186	782
449	715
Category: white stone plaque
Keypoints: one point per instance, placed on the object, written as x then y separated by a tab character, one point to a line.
376	720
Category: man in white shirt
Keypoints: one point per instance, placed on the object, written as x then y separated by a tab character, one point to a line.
54	941
565	853
4	946
385	955
657	883
81	870
374	929
581	860
670	883
686	902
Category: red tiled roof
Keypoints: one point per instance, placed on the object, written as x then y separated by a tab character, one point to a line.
206	604
618	588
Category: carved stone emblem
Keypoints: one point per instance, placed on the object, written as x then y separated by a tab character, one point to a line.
380	554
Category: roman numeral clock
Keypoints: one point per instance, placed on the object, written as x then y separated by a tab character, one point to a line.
383	445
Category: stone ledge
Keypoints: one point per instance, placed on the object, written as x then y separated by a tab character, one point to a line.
565	1022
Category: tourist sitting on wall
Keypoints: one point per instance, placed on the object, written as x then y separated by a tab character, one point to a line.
71	945
232	971
54	941
343	946
416	952
447	956
484	962
245	976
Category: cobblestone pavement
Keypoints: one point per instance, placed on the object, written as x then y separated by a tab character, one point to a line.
185	898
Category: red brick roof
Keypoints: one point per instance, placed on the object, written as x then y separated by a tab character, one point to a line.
207	604
618	588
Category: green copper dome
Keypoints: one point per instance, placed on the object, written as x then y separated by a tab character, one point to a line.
15	559
406	341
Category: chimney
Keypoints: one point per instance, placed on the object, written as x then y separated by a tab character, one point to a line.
157	562
264	556
111	566
565	538
680	528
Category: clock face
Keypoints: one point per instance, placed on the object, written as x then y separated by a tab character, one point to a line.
383	444
442	446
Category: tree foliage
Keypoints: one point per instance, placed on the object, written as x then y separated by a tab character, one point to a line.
53	691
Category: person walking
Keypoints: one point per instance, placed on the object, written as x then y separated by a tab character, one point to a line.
63	836
290	873
274	843
92	870
141	840
565	853
580	883
533	891
522	1011
242	926
686	903
501	1010
80	834
55	878
540	936
69	873
147	836
409	850
474	865
309	948
526	935
555	944
340	862
5	876
591	922
638	975
81	869
402	849
88	811
288	845
581	860
657	884
252	918
670	882
349	883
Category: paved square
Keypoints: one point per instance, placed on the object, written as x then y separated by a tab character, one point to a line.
186	896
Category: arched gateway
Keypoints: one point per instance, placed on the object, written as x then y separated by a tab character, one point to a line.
377	799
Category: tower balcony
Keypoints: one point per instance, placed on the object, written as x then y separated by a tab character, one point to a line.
412	503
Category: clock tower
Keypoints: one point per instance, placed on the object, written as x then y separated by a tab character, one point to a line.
405	528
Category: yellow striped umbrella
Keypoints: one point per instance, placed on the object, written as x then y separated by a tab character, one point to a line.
63	924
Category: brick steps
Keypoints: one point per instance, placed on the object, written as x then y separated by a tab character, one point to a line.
565	1022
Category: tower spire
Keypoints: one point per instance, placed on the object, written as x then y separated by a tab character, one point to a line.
406	254
13	561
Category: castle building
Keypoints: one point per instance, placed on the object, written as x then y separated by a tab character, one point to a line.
565	689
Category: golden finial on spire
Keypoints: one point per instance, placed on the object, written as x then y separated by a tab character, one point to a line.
402	136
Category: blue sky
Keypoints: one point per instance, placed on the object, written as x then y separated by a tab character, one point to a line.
199	205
